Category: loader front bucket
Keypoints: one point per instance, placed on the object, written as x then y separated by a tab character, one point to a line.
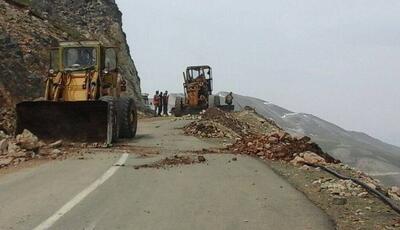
83	121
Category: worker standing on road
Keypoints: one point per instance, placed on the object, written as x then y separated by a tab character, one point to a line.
156	103
165	99
229	99
160	107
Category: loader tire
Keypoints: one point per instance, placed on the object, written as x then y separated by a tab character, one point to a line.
127	117
113	105
177	111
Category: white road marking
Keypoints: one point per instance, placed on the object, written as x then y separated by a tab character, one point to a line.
78	198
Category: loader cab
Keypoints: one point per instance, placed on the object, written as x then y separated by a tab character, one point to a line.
87	69
79	56
199	74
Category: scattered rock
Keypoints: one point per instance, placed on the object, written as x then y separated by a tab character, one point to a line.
339	200
305	167
201	158
171	161
297	160
56	152
393	194
395	190
5	161
56	144
363	194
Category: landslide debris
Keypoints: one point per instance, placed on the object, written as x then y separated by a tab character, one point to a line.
176	160
24	147
227	120
215	123
208	130
257	136
348	203
282	146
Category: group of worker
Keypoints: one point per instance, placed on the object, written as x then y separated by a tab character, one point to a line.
160	102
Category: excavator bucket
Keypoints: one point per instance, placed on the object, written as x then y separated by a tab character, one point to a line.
81	121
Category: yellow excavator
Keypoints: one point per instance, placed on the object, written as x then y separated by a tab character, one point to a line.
83	99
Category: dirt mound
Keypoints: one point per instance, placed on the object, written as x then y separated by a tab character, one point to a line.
257	123
278	146
228	120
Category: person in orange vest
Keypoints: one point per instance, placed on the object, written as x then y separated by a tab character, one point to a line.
156	103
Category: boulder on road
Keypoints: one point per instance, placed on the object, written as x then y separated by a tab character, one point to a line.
28	140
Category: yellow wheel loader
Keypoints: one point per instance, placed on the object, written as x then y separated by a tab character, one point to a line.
82	100
198	87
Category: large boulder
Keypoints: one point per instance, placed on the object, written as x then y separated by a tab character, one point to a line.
313	158
28	140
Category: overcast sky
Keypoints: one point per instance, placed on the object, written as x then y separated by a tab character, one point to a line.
337	59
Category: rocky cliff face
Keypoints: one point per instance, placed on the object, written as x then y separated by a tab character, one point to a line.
28	27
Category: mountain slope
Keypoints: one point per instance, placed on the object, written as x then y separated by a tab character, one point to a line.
354	148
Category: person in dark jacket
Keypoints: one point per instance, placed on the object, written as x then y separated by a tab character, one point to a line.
161	104
165	99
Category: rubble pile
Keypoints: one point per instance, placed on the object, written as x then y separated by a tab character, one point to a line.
203	129
26	146
343	188
227	120
282	146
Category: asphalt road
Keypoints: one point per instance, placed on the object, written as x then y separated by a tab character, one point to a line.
99	193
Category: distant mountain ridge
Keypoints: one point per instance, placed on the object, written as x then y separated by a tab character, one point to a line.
357	149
